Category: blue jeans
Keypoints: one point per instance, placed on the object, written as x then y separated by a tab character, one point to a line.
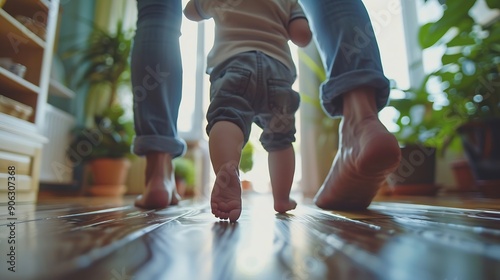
348	47
254	87
156	73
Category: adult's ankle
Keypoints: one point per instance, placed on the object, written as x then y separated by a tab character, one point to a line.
359	104
159	162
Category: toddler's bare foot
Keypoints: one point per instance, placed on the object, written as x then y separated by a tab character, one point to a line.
226	194
367	154
160	190
282	206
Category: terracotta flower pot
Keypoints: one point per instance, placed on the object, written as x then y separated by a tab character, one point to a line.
109	176
416	172
246	185
481	141
464	179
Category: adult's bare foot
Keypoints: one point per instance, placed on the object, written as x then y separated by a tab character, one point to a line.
226	194
367	154
160	190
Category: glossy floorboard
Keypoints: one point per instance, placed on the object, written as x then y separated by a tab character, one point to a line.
89	238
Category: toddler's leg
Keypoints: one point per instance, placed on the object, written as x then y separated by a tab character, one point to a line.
225	142
281	170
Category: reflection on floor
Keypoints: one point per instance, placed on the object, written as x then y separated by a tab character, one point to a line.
95	238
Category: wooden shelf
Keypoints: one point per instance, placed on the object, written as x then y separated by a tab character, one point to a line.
22	162
31	8
33	5
60	90
41	3
8	25
22	139
23	182
15	82
13	124
12	138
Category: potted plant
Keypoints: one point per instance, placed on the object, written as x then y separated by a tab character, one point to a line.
106	146
102	62
469	79
246	164
184	172
418	138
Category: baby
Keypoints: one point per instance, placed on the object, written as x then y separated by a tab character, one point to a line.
251	75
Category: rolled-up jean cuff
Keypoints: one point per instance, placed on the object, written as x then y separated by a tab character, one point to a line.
333	89
143	145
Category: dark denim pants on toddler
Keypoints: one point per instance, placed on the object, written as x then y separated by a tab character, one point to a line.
254	87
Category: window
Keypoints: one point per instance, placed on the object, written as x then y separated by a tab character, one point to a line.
403	60
191	112
194	86
396	24
388	20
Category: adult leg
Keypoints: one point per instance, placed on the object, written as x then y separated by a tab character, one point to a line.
157	86
367	154
356	89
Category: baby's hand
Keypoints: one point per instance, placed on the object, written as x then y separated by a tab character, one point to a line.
299	32
191	13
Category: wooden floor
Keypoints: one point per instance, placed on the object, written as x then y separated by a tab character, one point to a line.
91	238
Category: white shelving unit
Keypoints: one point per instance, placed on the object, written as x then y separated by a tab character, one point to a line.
22	140
60	90
56	170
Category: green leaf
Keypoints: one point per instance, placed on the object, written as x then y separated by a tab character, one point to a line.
427	37
450	58
454	15
493	4
311	100
246	162
184	168
313	66
462	39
